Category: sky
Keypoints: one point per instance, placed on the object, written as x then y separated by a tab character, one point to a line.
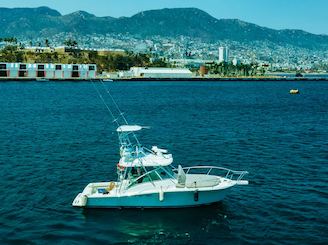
308	15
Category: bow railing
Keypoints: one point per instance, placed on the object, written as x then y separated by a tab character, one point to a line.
213	170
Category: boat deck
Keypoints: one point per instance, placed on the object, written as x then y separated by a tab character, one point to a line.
194	182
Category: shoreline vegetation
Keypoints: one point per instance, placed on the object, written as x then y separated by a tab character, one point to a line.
115	61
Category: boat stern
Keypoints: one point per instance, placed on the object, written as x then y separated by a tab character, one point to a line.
80	200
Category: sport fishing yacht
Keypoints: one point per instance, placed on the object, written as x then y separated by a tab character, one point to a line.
146	178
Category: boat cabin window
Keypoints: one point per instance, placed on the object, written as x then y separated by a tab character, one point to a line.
152	176
137	175
3	66
168	172
136	172
165	175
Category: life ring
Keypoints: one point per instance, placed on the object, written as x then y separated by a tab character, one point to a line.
120	167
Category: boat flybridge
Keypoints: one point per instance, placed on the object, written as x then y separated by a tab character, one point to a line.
147	179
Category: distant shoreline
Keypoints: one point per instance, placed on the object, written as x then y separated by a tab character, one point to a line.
222	79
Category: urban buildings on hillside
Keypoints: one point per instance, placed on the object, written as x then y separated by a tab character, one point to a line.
278	57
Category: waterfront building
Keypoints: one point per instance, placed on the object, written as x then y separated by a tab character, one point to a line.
235	62
160	72
48	71
223	54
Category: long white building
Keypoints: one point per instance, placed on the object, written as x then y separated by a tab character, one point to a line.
48	71
154	72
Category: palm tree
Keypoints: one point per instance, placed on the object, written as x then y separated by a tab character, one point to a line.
47	43
70	43
74	43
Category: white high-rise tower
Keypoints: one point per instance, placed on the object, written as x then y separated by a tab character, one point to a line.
223	54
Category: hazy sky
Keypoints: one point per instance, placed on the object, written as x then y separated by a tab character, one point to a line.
309	15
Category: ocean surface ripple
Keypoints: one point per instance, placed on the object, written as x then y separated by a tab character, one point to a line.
55	138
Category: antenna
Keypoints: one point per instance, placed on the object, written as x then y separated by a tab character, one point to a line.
104	102
114	102
120	113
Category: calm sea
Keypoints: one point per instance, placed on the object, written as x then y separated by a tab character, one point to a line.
55	138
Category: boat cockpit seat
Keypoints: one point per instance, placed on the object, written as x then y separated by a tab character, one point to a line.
181	177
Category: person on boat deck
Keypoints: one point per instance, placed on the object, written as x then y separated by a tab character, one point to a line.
136	172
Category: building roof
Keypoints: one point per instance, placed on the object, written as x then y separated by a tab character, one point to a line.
161	70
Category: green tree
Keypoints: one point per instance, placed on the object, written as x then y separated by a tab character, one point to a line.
70	43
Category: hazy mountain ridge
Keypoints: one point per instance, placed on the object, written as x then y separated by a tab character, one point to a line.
35	22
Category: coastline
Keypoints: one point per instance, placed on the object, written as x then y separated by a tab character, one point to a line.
224	79
195	79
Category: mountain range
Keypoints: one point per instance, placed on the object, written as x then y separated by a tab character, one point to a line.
30	23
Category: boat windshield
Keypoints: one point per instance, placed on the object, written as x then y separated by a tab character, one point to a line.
138	175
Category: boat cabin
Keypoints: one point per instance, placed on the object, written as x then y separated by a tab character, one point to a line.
139	175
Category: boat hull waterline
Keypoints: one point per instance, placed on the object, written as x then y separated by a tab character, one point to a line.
174	197
171	200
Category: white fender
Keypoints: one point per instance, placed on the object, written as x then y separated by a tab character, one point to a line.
83	200
161	195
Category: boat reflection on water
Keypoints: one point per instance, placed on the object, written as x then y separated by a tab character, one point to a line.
153	225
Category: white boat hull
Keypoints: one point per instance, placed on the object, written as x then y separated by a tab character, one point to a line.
154	200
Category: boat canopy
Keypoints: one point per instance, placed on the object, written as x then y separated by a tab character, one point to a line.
129	128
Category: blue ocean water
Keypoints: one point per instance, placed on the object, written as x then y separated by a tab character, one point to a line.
55	138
